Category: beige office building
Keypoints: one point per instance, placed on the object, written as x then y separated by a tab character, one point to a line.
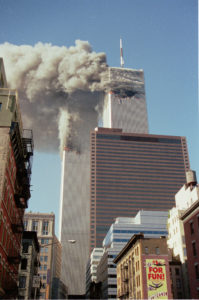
50	249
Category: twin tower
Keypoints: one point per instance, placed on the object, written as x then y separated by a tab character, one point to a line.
122	170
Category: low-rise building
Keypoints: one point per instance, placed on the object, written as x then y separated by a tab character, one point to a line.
50	248
29	279
151	223
91	271
177	278
190	219
143	269
184	199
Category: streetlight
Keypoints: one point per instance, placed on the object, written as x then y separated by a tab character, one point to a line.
48	286
72	241
46	245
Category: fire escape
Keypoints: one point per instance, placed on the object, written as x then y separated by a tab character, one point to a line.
22	145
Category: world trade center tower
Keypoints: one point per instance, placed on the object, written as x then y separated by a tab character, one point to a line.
124	107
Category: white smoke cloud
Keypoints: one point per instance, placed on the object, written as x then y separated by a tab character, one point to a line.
49	80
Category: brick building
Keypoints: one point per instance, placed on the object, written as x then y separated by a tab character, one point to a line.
143	269
16	150
190	219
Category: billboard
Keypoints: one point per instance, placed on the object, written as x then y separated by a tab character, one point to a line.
156	279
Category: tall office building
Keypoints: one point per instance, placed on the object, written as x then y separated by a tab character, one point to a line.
124	105
130	172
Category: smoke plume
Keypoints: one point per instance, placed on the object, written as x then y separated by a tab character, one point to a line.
59	89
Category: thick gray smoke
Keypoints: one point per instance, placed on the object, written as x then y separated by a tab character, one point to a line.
59	90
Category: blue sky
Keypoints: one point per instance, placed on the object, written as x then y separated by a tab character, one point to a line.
158	36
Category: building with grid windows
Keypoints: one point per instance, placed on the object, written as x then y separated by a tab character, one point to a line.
50	249
29	279
131	172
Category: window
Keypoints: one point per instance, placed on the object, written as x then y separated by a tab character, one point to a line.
44	241
25	223
157	250
185	251
22	282
194	248
177	271
197	271
146	250
45	258
25	247
178	283
45	267
0	105
24	264
191	228
34	225
45	228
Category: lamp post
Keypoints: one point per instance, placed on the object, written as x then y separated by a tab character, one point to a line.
50	268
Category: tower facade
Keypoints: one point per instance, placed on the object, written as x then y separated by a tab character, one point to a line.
125	101
124	105
130	172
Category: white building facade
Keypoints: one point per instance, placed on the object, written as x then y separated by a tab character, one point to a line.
91	271
184	198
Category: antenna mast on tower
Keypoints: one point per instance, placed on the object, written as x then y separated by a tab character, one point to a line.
121	54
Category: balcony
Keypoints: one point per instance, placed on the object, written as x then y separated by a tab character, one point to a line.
14	259
28	146
20	201
17	225
22	144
